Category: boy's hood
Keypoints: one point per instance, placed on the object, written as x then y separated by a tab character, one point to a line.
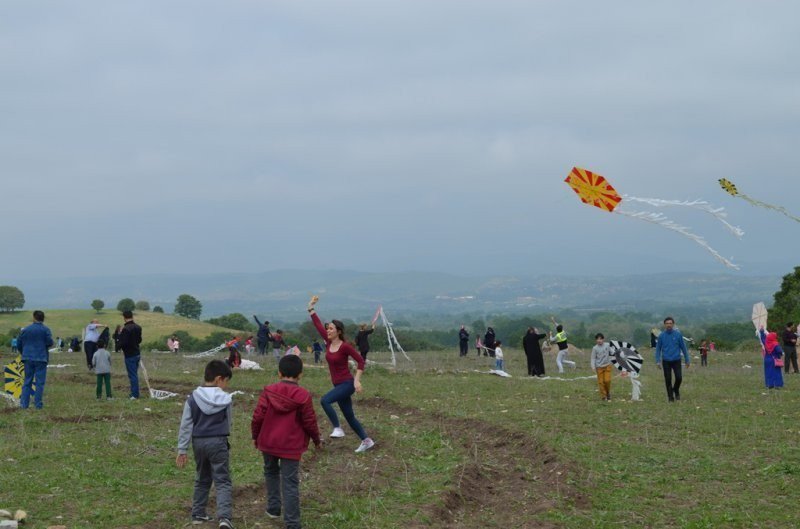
211	399
286	397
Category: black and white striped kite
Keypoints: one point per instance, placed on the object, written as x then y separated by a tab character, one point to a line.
625	357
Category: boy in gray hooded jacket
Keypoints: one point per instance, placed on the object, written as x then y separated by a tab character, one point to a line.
206	423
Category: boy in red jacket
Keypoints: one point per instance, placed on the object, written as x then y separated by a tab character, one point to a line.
283	422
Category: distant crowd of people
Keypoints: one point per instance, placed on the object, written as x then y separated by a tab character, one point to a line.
670	349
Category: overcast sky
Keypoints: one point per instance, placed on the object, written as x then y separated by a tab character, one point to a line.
152	136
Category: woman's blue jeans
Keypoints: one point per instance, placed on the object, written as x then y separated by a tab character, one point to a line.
341	394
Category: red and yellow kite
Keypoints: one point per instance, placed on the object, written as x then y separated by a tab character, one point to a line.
593	189
596	191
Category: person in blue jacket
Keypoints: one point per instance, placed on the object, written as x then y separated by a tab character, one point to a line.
669	347
34	342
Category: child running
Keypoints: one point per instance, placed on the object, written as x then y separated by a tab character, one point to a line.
283	422
601	364
206	423
560	339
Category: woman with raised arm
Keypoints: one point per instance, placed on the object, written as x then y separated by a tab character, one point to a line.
337	353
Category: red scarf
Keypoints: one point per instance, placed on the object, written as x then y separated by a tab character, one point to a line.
772	342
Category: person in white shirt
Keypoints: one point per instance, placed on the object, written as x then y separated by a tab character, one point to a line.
91	335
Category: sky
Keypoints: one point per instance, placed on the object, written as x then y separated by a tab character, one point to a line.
245	136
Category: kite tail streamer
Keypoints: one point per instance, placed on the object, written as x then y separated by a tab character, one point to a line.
636	387
660	219
717	212
779	209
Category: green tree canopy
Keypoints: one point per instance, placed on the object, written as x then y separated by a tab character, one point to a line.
188	306
144	306
234	321
98	304
158	308
11	298
787	302
126	304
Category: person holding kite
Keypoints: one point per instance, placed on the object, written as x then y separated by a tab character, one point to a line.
773	359
488	342
669	347
601	364
337	353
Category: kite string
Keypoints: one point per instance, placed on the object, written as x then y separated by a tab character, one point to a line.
779	209
662	220
717	212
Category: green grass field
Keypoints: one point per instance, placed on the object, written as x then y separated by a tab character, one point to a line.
71	322
455	448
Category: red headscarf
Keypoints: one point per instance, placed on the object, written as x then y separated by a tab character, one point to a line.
772	342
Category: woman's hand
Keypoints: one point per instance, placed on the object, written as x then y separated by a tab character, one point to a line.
312	302
357	385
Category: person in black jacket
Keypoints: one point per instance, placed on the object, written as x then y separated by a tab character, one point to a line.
115	337
488	342
533	352
463	341
129	339
263	336
362	339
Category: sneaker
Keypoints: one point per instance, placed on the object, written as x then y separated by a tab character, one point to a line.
365	445
197	520
224	523
337	432
274	515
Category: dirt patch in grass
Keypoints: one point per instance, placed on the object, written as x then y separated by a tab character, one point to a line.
73	419
509	475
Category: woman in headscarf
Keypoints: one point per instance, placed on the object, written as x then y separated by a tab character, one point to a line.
773	359
533	352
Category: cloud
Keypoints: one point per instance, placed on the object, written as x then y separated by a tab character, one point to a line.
454	122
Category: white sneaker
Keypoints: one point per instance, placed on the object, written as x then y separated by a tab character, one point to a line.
337	432
365	445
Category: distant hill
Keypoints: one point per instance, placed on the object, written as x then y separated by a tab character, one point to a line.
283	293
66	323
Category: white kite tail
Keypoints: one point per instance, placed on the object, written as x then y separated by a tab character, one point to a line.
155	393
716	212
636	386
662	220
779	209
204	354
390	336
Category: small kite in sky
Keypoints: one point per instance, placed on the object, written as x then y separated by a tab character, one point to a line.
596	191
730	188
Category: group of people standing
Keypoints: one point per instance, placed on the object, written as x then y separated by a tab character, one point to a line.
34	343
531	343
